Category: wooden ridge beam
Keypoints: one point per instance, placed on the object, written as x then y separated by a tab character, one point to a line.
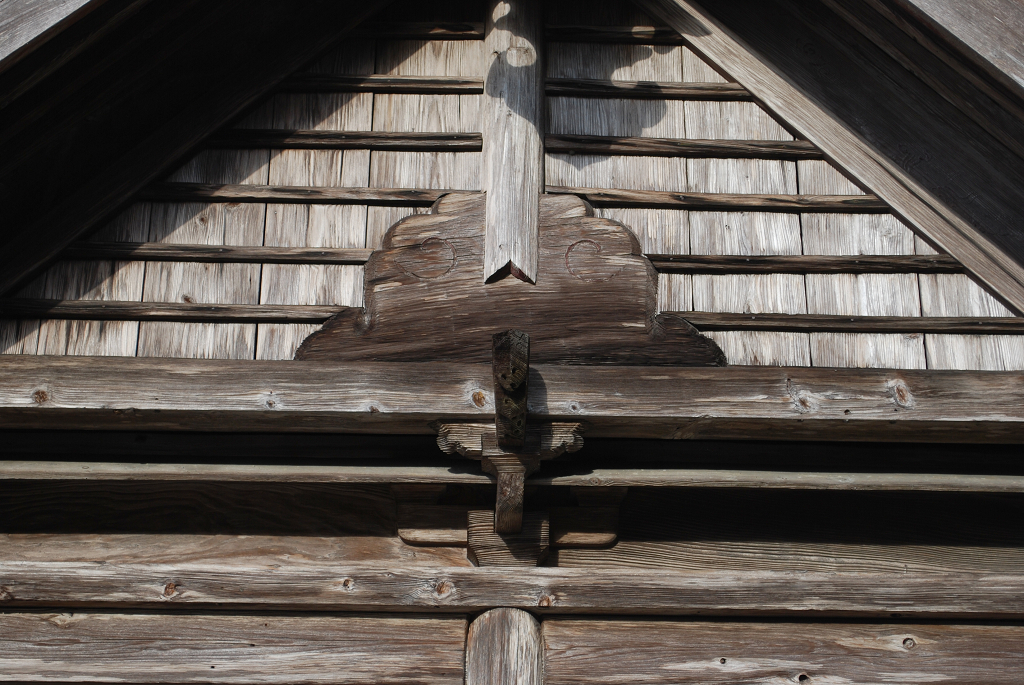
635	146
337	586
209	192
215	254
763	403
564	87
279	139
600	477
805	264
711	202
106	310
729	321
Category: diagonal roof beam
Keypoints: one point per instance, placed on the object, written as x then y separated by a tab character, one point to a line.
939	171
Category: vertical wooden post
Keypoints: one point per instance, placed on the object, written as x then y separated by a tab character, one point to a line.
513	142
504	647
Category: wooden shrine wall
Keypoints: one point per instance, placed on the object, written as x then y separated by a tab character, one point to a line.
450	108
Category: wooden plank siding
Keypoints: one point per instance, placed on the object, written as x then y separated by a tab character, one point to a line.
382	127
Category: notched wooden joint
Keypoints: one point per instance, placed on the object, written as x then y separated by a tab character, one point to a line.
510	363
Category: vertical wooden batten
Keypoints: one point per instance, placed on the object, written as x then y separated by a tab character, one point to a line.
504	647
513	138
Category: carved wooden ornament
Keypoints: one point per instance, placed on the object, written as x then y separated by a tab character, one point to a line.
594	301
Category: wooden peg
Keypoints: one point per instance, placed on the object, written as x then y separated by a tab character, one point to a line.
510	363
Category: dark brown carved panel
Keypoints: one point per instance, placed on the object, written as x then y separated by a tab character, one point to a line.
593	303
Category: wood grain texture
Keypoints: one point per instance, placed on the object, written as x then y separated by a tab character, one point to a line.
26	25
100	310
363	587
656	402
512	119
812	50
528	546
320	195
856	324
217	284
645	90
858	295
504	647
426	286
725	201
226	254
680	147
805	264
411	84
232	649
291	225
604	651
345	140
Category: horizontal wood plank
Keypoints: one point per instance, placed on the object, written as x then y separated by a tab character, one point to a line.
672	652
656	402
640	35
635	146
153	648
600	477
217	254
363	587
563	87
93	310
805	264
728	321
726	202
424	30
321	195
277	139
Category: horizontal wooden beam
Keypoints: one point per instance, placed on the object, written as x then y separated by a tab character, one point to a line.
86	310
637	35
337	586
280	139
564	87
805	264
681	147
471	475
207	192
216	254
711	202
646	90
802	323
761	403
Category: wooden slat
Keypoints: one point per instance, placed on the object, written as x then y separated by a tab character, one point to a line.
680	147
341	585
664	652
504	647
805	264
512	118
559	87
384	83
278	139
637	35
106	310
168	252
728	321
611	197
148	648
655	402
600	477
424	30
645	90
207	192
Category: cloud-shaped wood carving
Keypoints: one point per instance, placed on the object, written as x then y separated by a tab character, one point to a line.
594	301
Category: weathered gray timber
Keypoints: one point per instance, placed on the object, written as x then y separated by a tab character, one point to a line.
275	139
321	195
505	647
425	298
646	90
615	401
512	116
709	321
384	83
223	254
105	310
709	202
27	24
346	586
680	147
148	648
671	652
805	264
822	78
